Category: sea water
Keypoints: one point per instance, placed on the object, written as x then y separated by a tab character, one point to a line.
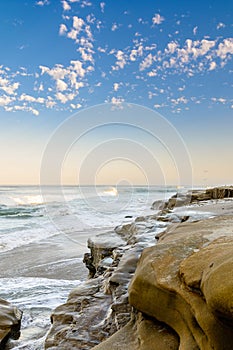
43	234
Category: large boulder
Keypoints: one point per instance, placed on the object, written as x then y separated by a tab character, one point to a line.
10	321
186	282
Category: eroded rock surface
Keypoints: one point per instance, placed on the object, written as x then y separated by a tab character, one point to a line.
10	321
180	296
194	196
186	282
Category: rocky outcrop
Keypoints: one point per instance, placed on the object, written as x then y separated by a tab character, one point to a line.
99	307
10	321
186	282
193	196
180	296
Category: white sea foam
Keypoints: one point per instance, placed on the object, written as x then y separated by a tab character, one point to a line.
36	297
22	237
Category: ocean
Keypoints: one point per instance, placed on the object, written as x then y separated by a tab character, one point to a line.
43	235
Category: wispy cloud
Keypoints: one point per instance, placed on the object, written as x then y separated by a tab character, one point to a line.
102	6
157	19
221	25
114	27
140	61
195	30
42	2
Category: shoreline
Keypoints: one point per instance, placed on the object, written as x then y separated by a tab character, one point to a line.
98	312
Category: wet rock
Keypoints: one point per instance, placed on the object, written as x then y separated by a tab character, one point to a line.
102	246
10	322
178	295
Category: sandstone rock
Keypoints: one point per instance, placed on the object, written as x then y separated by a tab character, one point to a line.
141	333
181	282
102	246
71	330
181	292
196	196
10	322
210	271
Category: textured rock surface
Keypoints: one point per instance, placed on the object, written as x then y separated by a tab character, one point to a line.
186	282
194	196
181	294
142	333
10	321
99	307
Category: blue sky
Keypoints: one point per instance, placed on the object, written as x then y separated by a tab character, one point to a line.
60	57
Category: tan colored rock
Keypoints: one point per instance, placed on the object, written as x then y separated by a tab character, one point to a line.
186	282
181	291
10	321
141	333
210	271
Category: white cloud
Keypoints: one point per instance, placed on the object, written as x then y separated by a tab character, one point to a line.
136	53
114	27
31	99
179	100
50	103
86	56
5	100
116	86
64	98
121	60
102	6
7	86
41	87
63	29
34	111
225	48
85	3
153	73
78	23
75	106
78	67
44	69
72	34
198	47
78	85
146	63
206	45
26	109
66	6
88	32
157	19
171	47
220	25
65	80
195	30
117	101
27	98
42	2
182	88
61	85
213	65
58	72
